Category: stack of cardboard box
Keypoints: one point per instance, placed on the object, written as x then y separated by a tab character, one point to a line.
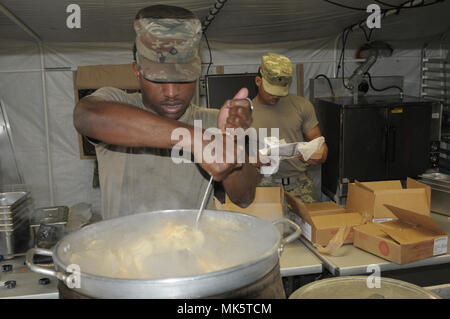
321	221
370	198
386	219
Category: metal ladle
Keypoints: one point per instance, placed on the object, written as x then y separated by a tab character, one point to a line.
202	206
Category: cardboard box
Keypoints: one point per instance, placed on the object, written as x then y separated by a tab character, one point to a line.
370	197
412	236
321	221
268	204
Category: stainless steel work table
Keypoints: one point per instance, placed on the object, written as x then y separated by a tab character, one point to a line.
297	260
349	260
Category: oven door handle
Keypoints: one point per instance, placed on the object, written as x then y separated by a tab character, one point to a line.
392	143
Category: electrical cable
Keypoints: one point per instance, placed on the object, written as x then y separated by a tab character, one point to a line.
348	29
383	89
329	83
365	34
210	53
342	52
212	13
391	6
402	6
206	23
344	43
345	6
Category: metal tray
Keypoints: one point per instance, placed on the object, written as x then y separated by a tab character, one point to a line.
436	178
440	192
13	222
10	200
15	241
13	226
50	215
16	214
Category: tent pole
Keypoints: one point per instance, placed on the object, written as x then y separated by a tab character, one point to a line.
46	119
33	34
19	23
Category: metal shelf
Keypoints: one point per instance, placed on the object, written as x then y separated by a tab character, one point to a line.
436	97
435	70
436	60
442	88
441	79
435	86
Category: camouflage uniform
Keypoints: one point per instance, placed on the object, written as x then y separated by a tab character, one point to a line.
168	49
302	189
276	71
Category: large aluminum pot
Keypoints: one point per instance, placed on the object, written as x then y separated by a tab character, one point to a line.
260	243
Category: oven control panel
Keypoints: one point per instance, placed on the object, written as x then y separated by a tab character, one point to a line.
18	281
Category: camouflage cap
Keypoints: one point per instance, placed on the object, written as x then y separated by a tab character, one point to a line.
276	72
168	49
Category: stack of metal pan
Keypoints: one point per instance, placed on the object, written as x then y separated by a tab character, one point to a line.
15	209
440	191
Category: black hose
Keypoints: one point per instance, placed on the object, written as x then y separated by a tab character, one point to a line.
329	83
210	53
383	89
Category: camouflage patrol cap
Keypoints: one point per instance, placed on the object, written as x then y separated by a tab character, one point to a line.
276	72
168	49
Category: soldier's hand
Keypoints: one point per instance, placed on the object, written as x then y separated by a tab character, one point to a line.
220	155
310	162
236	113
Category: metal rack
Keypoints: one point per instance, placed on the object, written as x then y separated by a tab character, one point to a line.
435	86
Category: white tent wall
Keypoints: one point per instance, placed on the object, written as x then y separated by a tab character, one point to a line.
21	91
72	177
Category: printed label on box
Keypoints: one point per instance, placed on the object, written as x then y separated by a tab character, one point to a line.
440	246
381	220
306	229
